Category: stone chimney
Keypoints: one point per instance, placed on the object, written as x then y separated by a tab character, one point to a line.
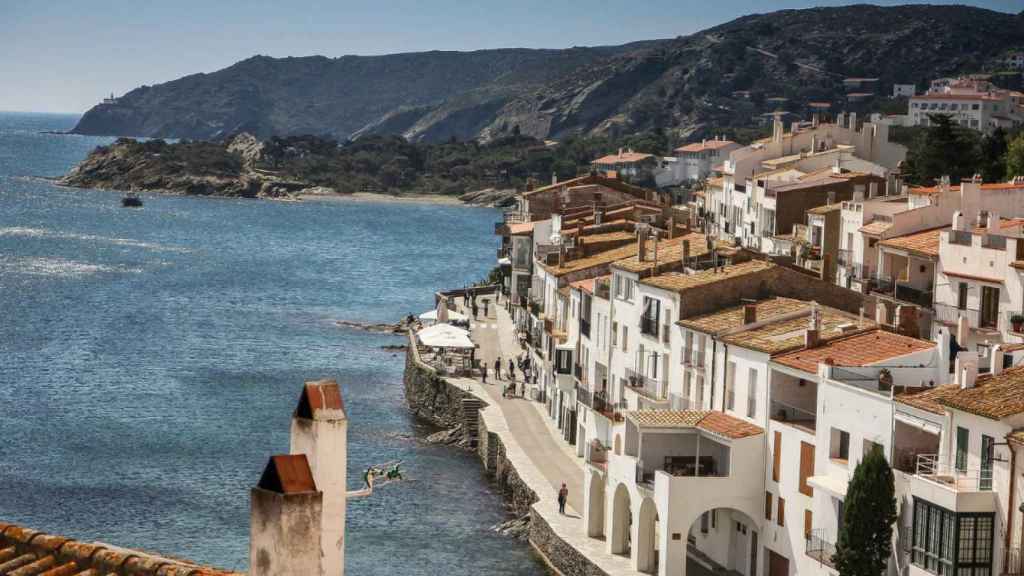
992	225
749	314
814	140
958	221
320	432
641	244
671	227
997	360
837	166
841	119
554	178
777	128
620	152
906	321
830	197
686	252
812	337
853	121
286	520
815	119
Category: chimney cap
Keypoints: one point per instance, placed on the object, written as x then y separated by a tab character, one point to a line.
287	474
321	400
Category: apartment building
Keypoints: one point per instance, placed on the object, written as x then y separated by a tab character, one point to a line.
694	161
627	165
971	103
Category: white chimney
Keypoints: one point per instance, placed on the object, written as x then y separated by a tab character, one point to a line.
853	121
993	222
966	369
958	221
554	178
286	519
997	360
320	432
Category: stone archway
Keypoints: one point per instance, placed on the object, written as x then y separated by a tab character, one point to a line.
595	509
645	558
621	522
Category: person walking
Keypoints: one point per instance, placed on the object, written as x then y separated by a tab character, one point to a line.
563	495
483	373
497	368
485	307
511	369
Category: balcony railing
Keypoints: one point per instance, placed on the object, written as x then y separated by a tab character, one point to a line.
690	466
845	258
951	315
820	548
602	289
599	402
952	478
645	385
515	217
887	286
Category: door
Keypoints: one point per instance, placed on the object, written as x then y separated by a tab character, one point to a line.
738	553
987	445
989	306
753	554
777	565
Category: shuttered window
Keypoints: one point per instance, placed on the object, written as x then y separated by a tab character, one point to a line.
781	516
776	456
806	467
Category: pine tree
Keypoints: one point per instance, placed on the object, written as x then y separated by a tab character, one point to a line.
993	156
944	149
1015	157
865	538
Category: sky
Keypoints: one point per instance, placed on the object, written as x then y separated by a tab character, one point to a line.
65	56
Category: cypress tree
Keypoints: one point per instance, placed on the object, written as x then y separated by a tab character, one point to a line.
865	538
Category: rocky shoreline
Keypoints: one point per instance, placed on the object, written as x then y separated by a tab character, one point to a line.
233	169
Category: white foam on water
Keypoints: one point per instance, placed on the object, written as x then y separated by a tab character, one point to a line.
27	232
57	267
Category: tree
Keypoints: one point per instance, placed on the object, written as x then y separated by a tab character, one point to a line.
993	156
865	538
1015	157
944	149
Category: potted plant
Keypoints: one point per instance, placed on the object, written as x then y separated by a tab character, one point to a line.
1017	320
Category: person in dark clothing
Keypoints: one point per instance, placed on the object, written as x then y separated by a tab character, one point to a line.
563	495
483	373
497	368
511	369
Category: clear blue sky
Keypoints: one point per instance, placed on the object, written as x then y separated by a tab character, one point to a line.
64	56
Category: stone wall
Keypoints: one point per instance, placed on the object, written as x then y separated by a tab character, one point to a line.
430	396
567	560
518	495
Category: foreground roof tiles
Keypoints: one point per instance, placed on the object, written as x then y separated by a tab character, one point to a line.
861	349
25	552
927	399
923	243
678	282
993	396
668	250
705	145
718	423
730	318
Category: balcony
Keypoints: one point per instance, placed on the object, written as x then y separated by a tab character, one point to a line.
598	402
953	488
602	289
820	548
845	258
515	217
789	414
887	286
651	389
585	327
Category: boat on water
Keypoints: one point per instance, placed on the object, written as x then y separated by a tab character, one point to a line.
131	200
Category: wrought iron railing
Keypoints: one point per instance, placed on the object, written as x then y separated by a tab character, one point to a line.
649	326
820	548
948	475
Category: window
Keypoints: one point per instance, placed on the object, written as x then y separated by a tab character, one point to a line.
840	445
768	506
625	337
808	521
776	456
705	519
989	306
806	468
649	322
615	333
987	445
950	544
963	437
730	392
751	393
781	516
961	296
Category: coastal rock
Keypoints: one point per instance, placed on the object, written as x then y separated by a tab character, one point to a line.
518	528
490	197
449	437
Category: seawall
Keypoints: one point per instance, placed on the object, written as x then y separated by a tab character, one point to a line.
440	402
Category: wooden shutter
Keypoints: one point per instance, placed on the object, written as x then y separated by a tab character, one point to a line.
781	517
776	456
808	521
768	506
806	467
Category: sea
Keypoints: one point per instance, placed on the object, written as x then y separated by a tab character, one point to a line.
150	360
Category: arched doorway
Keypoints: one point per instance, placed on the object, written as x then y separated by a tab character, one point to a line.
595	509
646	559
622	520
727	538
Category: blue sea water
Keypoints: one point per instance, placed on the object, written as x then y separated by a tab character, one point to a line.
150	360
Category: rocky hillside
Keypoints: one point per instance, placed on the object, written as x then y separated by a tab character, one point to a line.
722	77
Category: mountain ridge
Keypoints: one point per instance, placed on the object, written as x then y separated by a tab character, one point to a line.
688	84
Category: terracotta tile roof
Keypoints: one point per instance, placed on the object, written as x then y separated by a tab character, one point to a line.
592	261
991	280
825	209
861	349
287	474
784	334
926	399
705	145
623	158
588	284
718	423
923	243
995	397
668	251
876	228
521	228
731	318
321	400
932	190
679	282
716	182
24	552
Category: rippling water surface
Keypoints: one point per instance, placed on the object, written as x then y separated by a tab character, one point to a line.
150	360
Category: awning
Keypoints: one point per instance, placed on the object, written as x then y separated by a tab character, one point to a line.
830	484
504	262
445	336
432	316
923	425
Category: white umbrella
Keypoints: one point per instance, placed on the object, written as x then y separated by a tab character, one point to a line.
431	316
445	336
